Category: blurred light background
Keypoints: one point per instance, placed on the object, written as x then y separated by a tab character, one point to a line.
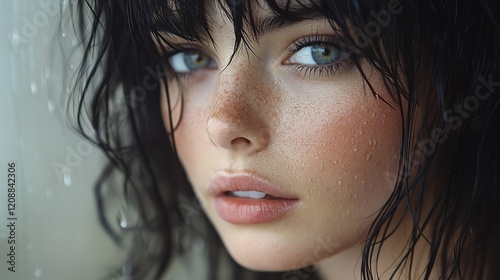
58	236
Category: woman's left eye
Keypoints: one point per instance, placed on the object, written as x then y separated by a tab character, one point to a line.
317	54
191	61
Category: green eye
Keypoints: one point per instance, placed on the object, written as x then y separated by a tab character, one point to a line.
190	61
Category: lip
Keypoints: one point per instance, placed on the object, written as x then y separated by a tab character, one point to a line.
237	210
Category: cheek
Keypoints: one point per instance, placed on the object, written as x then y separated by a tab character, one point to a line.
346	159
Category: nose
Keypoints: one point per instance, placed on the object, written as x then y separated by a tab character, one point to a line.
237	122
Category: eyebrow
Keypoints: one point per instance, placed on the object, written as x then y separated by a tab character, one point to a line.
270	24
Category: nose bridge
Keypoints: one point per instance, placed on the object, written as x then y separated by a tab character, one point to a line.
236	121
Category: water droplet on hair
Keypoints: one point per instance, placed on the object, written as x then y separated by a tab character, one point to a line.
34	87
122	221
38	273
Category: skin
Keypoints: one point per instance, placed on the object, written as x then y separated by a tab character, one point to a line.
326	139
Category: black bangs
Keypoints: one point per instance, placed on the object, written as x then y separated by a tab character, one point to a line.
190	20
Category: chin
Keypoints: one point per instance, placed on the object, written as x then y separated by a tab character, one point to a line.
273	253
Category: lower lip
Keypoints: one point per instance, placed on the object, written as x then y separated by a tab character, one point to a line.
238	210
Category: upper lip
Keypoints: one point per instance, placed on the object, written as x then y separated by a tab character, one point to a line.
223	182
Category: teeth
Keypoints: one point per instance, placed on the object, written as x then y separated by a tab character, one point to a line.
249	194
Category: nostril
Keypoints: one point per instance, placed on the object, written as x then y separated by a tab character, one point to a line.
240	142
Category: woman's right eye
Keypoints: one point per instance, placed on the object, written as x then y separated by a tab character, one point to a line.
185	62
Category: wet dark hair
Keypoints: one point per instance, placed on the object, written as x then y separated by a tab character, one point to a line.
441	55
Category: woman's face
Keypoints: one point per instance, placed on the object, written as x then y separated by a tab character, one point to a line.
291	118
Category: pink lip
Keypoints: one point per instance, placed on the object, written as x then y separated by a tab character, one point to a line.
239	210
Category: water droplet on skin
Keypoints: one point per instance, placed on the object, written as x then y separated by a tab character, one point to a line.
309	179
355	150
38	273
361	132
368	157
355	177
335	161
373	115
339	182
321	166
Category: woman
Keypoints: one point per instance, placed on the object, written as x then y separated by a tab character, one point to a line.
330	139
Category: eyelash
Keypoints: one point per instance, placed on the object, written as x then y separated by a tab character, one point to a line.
320	70
305	70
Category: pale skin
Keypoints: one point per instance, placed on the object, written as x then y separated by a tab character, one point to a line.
325	138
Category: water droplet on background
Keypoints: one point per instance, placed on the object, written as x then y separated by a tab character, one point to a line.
51	106
34	88
67	179
38	273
